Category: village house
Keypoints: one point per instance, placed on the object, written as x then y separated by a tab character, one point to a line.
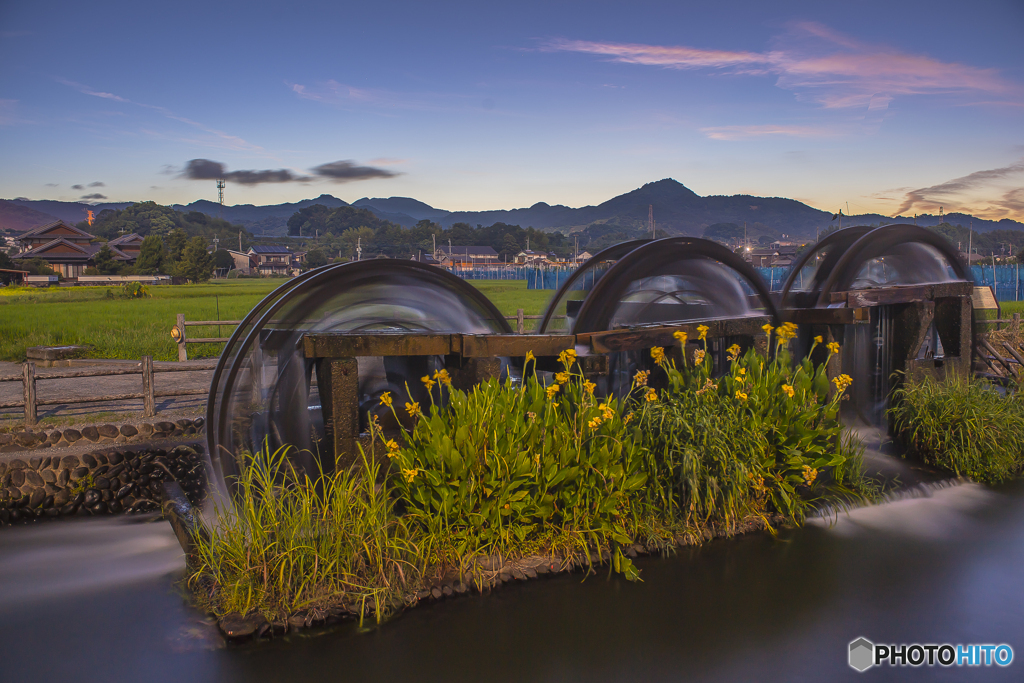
67	249
466	256
271	259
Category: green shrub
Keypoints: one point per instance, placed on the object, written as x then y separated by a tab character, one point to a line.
963	425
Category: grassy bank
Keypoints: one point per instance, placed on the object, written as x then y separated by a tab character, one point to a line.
535	468
963	425
123	328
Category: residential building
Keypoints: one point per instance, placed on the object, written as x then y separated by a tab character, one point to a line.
244	263
466	256
271	259
67	249
130	245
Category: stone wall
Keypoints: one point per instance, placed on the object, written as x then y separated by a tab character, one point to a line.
61	438
107	481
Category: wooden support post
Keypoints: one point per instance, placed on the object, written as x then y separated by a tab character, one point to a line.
520	324
338	385
256	374
182	351
29	378
148	399
472	371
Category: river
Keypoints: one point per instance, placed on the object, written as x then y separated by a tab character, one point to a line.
97	599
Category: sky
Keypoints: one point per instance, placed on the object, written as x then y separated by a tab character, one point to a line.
887	107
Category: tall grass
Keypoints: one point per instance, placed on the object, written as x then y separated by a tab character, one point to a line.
963	425
293	543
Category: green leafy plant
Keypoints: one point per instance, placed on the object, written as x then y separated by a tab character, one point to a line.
963	425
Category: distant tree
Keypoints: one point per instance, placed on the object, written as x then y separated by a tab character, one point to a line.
724	232
151	256
196	263
222	260
5	261
105	263
351	238
315	259
509	248
176	242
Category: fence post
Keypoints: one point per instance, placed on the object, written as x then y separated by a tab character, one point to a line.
148	400
182	351
520	324
29	370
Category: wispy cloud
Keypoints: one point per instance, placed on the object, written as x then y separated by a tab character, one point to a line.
768	130
821	65
992	193
225	139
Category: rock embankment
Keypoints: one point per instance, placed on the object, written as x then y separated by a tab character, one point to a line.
17	442
107	481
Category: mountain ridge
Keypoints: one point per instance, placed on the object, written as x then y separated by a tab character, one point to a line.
678	210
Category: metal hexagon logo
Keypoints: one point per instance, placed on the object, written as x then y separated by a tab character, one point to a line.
862	654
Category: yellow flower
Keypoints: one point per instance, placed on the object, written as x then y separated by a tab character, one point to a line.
702	331
562	377
842	382
443	377
788	390
427	382
833	347
708	386
680	337
819	339
529	357
606	411
733	351
595	423
809	475
740	395
640	378
552	390
658	354
567	357
413	409
385	399
532	415
392	446
767	328
410	475
652	395
698	356
589	386
626	419
786	332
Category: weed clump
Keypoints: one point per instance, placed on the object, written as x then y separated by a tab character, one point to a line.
963	425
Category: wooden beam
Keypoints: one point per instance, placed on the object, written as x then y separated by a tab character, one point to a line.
817	316
346	345
491	345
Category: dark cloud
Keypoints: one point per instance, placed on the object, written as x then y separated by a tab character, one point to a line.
78	187
52	185
93	197
344	171
97	184
937	194
204	169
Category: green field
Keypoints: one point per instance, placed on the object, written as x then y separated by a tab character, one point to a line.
121	328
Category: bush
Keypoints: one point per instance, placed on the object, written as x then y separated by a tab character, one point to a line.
963	425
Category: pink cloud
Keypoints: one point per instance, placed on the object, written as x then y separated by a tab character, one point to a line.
819	64
992	193
769	130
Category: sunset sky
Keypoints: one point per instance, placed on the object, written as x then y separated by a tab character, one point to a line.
889	107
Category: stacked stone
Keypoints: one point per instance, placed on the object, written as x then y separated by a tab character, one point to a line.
108	433
103	482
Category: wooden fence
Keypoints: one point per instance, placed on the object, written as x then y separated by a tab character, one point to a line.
179	334
145	367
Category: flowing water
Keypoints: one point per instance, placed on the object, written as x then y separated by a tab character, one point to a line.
96	599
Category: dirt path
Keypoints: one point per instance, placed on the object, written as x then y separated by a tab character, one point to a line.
69	414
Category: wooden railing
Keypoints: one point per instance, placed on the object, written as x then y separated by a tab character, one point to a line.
144	367
180	336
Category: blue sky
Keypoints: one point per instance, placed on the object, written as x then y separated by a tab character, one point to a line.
888	106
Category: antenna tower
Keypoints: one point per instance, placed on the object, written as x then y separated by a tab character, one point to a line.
220	193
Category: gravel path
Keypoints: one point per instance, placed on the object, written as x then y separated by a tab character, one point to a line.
128	411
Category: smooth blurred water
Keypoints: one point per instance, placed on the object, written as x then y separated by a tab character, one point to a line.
96	600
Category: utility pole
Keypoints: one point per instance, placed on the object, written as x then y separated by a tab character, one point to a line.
359	249
239	241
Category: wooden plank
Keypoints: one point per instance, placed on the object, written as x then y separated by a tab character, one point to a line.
214	322
817	316
900	294
182	350
1013	352
342	345
1002	361
492	345
338	386
90	399
207	340
645	337
148	400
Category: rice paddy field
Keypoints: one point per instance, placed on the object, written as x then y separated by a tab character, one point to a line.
131	328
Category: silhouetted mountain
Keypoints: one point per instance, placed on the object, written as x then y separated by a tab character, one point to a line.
677	211
20	218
